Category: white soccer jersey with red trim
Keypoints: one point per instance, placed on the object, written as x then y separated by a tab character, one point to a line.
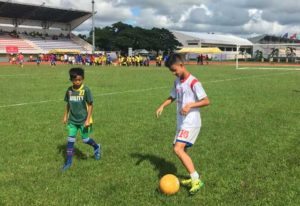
187	91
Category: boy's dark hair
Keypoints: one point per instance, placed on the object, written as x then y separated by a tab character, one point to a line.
77	71
174	59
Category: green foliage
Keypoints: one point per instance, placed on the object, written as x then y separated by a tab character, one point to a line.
248	150
82	36
121	36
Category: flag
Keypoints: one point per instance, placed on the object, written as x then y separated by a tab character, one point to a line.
294	36
285	35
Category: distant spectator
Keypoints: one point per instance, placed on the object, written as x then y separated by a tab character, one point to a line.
158	60
65	58
206	59
198	59
201	59
38	59
52	60
109	60
21	59
87	60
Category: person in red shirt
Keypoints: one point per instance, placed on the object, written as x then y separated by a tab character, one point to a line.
21	59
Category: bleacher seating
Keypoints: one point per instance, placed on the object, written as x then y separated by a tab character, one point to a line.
23	45
47	43
33	45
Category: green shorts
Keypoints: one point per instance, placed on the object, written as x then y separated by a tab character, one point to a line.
84	131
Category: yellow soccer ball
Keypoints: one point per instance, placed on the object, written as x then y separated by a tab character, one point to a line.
169	184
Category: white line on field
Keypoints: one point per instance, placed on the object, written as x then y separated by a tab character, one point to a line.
129	91
98	95
270	68
13	75
142	90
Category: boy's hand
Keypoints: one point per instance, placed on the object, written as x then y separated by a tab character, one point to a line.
65	120
159	111
185	110
87	123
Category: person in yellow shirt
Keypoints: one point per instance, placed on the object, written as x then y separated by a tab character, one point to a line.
129	61
104	58
137	60
120	60
158	60
96	60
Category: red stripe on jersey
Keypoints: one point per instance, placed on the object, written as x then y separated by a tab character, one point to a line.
193	83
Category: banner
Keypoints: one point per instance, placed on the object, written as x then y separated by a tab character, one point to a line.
12	49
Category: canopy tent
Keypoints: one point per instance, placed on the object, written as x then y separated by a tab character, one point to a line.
141	51
200	50
64	51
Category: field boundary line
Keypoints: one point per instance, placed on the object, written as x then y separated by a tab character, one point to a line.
268	68
12	75
143	90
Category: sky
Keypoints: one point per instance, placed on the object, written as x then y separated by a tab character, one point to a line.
238	17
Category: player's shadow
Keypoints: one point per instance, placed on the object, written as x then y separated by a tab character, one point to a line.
78	154
160	164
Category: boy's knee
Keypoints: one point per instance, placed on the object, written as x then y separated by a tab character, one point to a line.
178	149
85	140
71	139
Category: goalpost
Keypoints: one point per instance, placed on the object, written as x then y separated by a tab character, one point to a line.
284	56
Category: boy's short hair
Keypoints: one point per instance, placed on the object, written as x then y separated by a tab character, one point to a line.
77	71
174	59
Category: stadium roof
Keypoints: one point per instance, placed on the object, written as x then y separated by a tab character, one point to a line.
210	38
272	39
40	12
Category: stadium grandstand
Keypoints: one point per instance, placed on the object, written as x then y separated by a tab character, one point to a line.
225	42
279	47
33	29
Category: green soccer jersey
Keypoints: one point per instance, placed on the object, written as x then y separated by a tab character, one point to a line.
78	99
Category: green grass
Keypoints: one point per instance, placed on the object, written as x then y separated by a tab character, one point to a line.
248	151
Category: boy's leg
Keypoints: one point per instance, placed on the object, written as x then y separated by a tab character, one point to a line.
194	182
183	139
85	132
179	149
70	145
70	149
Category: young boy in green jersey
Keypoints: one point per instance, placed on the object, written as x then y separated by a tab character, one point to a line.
78	115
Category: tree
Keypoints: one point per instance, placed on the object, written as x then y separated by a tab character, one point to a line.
121	36
82	36
164	40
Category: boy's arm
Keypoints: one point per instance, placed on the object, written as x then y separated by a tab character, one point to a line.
201	103
89	111
65	119
163	105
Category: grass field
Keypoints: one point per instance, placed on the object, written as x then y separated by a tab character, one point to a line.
248	151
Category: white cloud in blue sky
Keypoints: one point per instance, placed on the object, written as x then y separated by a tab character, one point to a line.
241	17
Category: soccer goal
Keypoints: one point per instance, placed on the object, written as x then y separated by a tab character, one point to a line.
270	57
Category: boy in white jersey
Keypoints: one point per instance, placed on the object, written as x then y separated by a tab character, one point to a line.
190	95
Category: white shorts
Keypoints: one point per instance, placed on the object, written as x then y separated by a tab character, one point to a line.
187	135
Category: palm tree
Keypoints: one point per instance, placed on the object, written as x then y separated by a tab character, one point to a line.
274	53
258	55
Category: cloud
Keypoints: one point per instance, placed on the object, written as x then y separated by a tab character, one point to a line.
225	16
